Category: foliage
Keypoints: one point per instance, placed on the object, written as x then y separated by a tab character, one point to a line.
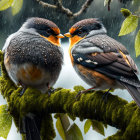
5	121
137	44
60	128
125	12
15	5
129	25
87	126
74	132
4	4
98	127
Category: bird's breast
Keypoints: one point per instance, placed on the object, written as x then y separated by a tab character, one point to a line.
29	72
94	78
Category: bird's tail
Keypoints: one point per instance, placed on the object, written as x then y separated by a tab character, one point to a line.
134	91
31	127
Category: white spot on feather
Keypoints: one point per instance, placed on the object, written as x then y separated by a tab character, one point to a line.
89	61
80	59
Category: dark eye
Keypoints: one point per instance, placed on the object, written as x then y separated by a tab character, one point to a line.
80	32
49	31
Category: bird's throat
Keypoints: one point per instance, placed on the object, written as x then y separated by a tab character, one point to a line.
54	40
73	41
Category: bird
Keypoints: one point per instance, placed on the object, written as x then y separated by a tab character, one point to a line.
33	58
101	61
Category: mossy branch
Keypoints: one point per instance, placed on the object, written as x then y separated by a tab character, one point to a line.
116	112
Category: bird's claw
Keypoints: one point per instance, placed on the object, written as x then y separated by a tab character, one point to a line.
22	91
50	91
78	95
104	97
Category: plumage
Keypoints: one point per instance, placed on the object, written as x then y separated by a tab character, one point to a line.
101	61
26	52
33	58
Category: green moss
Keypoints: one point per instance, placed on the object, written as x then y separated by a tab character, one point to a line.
116	111
47	128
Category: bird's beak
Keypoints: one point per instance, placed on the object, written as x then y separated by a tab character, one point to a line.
68	34
60	36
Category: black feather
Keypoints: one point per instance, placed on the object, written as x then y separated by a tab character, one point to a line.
31	127
110	65
134	91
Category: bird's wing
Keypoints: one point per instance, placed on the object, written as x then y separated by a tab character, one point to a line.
115	64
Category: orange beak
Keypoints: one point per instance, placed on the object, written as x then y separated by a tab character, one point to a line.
68	35
60	36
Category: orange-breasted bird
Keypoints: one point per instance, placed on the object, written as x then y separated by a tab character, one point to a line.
101	61
33	58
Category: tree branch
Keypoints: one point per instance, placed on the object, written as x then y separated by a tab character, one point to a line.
45	4
84	8
59	6
116	112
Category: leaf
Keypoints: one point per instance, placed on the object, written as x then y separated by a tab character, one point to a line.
87	126
71	116
62	125
137	44
74	133
16	6
129	25
125	12
5	121
5	4
98	127
60	129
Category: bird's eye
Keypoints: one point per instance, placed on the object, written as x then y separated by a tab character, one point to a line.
80	32
49	31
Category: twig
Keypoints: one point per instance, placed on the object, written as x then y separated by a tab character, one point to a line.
45	4
84	8
59	6
63	9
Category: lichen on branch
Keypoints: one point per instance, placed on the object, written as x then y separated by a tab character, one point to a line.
115	112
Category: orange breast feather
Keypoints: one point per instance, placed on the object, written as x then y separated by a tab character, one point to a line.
31	73
100	78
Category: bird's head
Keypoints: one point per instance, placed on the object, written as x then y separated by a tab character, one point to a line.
84	28
45	28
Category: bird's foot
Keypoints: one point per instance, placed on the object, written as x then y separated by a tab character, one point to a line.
22	91
78	95
51	90
24	87
105	96
83	91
